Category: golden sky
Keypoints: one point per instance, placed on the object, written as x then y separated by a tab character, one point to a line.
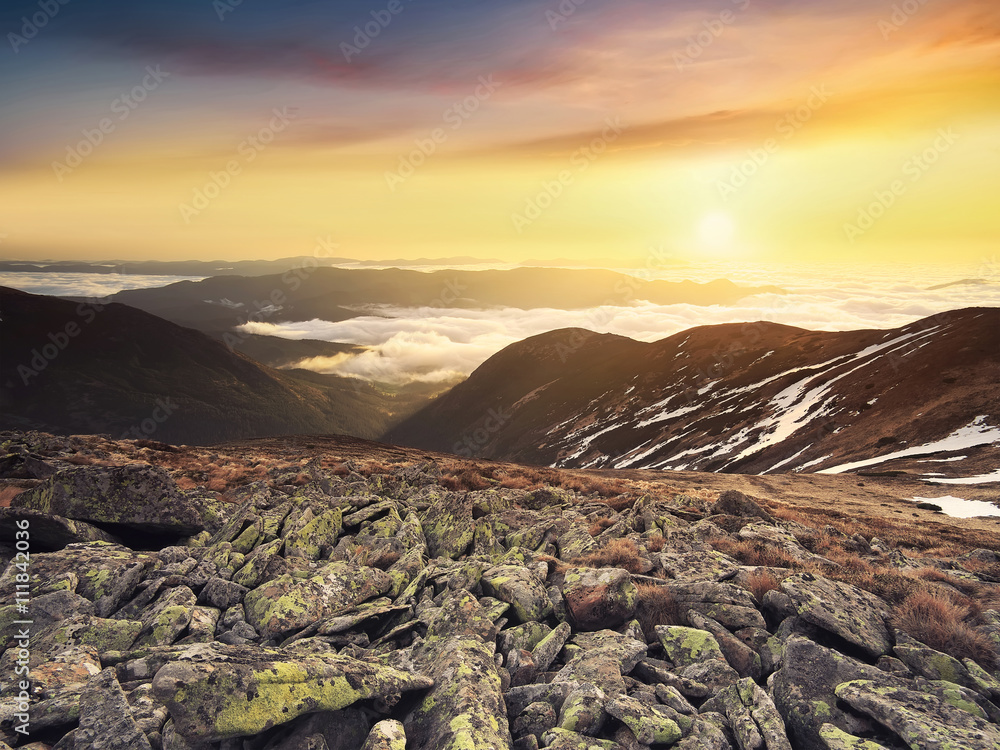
738	130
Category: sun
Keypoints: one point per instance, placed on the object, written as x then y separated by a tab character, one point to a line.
716	231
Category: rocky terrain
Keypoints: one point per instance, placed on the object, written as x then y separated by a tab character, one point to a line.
741	398
326	593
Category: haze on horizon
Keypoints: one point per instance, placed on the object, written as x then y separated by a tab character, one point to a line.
742	130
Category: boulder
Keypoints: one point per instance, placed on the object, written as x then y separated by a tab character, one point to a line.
214	691
599	598
804	690
735	503
139	497
448	526
386	735
106	721
650	724
49	532
466	707
583	710
520	588
921	720
289	603
844	610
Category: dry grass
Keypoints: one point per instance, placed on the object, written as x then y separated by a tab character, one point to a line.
760	582
756	554
944	623
656	543
656	606
600	525
618	553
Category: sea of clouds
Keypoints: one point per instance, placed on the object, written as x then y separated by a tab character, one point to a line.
89	285
435	344
445	344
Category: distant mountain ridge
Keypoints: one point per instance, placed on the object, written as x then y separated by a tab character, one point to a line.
336	294
71	367
750	398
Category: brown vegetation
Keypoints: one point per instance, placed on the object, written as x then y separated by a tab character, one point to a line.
656	606
760	582
946	624
618	553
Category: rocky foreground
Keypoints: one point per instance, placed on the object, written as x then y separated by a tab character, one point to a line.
335	607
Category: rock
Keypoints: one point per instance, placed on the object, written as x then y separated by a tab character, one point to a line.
346	729
222	594
844	610
929	663
386	735
562	739
782	539
803	690
49	532
537	718
106	721
583	710
707	733
448	526
602	659
520	588
741	657
921	720
108	573
140	498
70	669
288	603
466	708
834	738
753	716
599	598
547	649
316	536
215	691
163	623
730	605
685	646
734	503
650	724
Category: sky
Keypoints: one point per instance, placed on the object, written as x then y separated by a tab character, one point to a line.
726	130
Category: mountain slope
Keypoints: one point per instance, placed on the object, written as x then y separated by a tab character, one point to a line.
747	398
335	294
81	368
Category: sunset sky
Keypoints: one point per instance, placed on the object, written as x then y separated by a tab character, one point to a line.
768	130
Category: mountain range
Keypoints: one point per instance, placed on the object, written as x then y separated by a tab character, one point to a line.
335	294
752	398
71	367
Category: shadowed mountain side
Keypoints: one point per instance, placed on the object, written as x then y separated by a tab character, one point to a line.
77	368
335	294
736	398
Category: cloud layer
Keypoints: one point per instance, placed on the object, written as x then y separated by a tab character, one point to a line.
442	344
